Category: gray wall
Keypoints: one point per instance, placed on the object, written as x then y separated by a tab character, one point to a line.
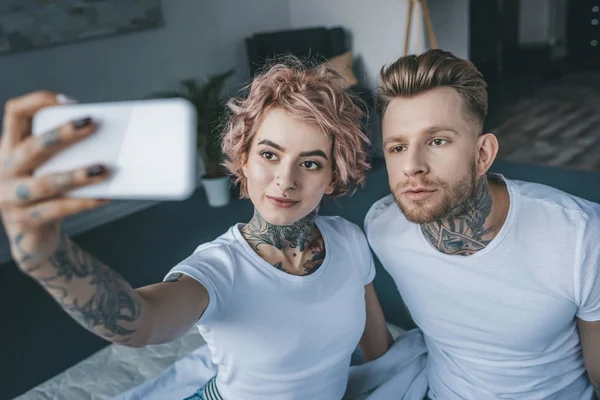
200	38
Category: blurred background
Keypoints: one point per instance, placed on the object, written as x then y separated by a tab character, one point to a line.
541	59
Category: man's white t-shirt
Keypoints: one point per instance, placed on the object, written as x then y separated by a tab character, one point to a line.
500	324
274	335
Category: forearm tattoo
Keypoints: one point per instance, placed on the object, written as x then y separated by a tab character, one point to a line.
464	233
92	293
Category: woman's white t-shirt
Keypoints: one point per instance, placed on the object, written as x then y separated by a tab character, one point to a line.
274	335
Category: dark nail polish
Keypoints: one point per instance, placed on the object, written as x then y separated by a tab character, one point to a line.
96	170
82	123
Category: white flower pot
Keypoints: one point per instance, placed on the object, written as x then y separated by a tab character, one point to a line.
217	191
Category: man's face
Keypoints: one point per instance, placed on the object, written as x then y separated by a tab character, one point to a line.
431	149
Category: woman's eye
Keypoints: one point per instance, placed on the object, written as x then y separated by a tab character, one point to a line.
310	165
268	155
397	149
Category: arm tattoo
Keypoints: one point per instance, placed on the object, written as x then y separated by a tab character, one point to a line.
92	293
463	233
174	277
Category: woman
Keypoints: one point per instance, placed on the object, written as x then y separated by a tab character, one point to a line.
282	301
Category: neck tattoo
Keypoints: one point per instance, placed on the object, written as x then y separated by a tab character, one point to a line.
463	233
258	231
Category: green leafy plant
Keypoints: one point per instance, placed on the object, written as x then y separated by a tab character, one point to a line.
211	108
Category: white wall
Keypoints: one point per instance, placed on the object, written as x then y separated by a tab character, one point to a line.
203	37
378	26
199	38
377	30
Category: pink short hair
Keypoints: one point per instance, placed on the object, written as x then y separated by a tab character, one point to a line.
317	96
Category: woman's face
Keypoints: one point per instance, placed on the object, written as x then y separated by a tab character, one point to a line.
289	168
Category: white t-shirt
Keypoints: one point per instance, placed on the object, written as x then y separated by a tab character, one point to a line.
500	324
279	336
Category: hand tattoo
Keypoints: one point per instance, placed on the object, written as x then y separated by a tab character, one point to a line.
464	233
26	257
23	193
10	161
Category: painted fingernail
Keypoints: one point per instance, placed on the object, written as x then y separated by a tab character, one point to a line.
96	170
82	123
64	99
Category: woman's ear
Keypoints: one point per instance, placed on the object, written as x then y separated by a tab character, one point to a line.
329	189
487	149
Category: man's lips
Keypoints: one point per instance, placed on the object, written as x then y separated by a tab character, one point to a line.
417	193
418	189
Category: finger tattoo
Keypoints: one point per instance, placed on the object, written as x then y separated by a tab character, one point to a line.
23	192
62	181
51	138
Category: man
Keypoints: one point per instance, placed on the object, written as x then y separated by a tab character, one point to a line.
502	276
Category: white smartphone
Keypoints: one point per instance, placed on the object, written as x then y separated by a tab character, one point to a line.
149	146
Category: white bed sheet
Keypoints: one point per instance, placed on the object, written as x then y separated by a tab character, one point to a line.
113	370
123	373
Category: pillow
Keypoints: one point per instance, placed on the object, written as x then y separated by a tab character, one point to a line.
343	64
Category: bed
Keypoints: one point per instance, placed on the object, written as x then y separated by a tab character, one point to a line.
117	371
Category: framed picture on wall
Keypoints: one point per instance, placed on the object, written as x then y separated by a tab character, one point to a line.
31	24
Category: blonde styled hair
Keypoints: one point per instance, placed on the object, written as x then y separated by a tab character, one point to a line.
314	94
414	74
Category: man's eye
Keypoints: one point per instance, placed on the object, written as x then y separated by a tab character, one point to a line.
438	142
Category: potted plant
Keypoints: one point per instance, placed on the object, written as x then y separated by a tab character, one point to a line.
206	96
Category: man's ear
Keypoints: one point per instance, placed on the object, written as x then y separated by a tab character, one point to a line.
487	149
